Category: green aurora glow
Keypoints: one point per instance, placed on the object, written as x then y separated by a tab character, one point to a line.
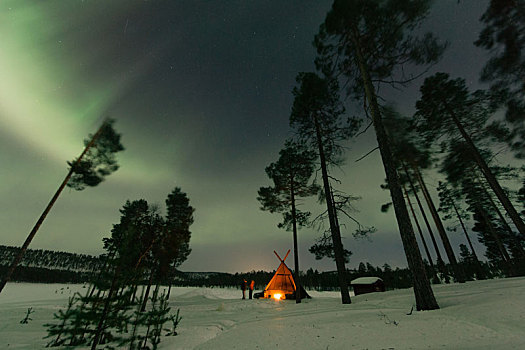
201	94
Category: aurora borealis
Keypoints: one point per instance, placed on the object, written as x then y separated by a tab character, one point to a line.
201	91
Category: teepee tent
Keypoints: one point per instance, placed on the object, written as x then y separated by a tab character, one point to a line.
282	284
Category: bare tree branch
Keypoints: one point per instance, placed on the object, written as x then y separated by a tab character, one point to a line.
357	160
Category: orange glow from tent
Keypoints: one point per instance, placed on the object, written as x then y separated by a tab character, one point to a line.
277	296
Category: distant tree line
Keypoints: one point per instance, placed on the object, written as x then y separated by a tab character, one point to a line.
82	268
54	260
45	275
394	278
311	279
48	266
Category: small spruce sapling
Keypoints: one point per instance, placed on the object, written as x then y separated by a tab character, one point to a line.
59	329
159	317
26	319
175	320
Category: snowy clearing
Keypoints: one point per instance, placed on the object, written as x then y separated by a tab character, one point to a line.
476	315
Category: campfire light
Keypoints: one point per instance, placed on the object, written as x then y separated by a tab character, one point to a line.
277	296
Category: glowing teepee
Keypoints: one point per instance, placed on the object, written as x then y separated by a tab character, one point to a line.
282	284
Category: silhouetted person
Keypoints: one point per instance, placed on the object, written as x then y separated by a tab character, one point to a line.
252	284
243	287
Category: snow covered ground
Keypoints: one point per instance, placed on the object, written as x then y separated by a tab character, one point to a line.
475	315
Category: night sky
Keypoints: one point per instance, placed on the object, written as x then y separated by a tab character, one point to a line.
201	91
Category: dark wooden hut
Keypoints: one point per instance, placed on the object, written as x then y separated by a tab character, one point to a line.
363	285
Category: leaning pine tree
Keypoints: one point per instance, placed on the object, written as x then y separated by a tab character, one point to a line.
291	181
367	42
462	172
446	108
450	206
410	153
95	163
503	35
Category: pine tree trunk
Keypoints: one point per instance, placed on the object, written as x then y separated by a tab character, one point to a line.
92	287
99	275
100	294
458	271
503	251
156	292
145	300
134	332
440	264
33	232
480	274
121	292
424	295
334	229
134	293
105	311
420	233
136	323
146	337
439	261
84	301
169	291
63	324
465	232
295	250
489	176
512	236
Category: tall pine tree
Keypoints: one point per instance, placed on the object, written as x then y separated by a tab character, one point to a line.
367	42
447	109
291	176
317	115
